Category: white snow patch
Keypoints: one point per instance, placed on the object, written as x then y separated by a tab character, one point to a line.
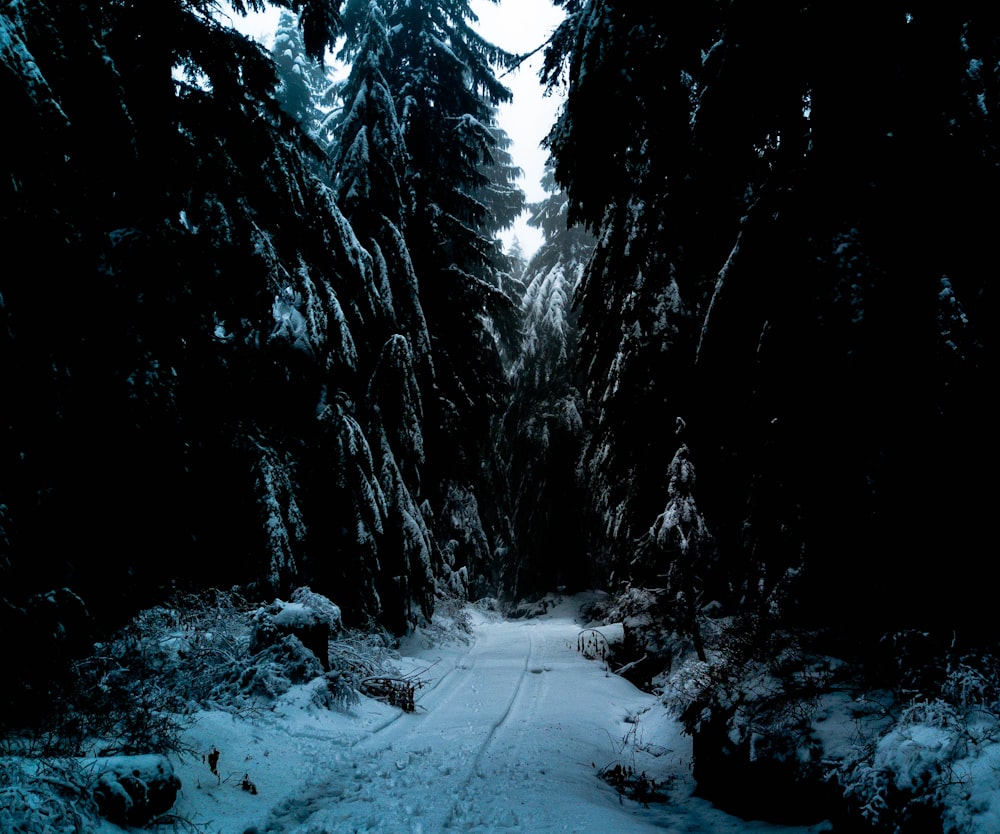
511	726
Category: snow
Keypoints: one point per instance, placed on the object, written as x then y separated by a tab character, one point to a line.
515	722
289	323
15	56
510	730
277	499
934	749
913	753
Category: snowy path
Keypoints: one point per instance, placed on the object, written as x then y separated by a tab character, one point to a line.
508	736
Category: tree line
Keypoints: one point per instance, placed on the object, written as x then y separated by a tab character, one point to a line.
791	289
252	317
257	327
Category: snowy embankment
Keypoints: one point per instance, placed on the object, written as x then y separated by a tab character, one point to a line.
510	730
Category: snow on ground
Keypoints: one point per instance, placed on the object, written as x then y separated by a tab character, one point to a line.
508	735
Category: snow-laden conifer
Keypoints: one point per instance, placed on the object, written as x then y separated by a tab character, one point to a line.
540	434
455	194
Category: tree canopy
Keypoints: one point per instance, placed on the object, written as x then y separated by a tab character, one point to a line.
257	326
792	207
216	358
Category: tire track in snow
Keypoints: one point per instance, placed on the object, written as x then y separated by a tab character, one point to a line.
496	725
472	682
343	784
466	666
465	793
393	743
460	666
444	748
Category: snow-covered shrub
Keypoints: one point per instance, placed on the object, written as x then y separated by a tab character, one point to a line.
283	644
749	708
133	790
364	652
926	740
337	689
136	692
899	784
290	644
45	796
972	683
764	690
935	766
68	795
651	644
274	669
123	700
308	617
132	693
319	607
451	622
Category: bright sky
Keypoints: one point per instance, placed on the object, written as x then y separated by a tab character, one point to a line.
521	26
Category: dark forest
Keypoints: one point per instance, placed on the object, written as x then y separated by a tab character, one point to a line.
258	330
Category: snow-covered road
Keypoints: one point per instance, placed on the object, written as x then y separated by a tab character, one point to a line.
509	734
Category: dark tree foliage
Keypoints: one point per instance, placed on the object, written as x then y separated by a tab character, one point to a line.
541	433
369	164
370	167
794	208
190	329
459	181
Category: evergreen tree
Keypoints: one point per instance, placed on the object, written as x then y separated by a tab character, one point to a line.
410	559
518	262
674	555
441	76
542	430
784	241
306	89
369	162
187	392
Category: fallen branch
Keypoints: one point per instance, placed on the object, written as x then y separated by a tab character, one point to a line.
397	692
631	664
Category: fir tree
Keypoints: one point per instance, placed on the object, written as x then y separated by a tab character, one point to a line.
674	556
441	76
774	245
542	430
186	394
370	162
306	89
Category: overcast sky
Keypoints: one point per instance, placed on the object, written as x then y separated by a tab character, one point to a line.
521	26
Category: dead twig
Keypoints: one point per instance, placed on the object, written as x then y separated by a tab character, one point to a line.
395	691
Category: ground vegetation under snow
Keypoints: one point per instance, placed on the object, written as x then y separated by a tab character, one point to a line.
213	714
